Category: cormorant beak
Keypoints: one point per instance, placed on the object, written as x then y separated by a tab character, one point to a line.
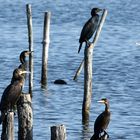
98	10
21	72
29	52
101	101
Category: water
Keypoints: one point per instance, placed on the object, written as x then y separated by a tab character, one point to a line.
116	73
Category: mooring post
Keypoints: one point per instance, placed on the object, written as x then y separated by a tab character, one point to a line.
58	132
30	40
88	72
45	42
25	118
79	70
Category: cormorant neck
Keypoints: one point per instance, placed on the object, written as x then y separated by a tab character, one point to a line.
107	108
22	59
93	14
20	80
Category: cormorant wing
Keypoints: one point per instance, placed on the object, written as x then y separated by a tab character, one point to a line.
89	28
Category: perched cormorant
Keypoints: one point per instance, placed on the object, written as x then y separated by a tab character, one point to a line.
23	64
22	59
102	121
89	27
12	93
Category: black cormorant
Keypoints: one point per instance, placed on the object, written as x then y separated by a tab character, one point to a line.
102	121
12	93
89	27
23	64
22	59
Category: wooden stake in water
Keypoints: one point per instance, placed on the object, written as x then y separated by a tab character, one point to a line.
25	117
58	132
30	40
88	72
8	127
79	70
46	41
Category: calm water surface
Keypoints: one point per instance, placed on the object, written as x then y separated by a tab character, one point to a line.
116	64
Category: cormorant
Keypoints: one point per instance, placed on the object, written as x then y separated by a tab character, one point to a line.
102	121
22	59
89	27
23	64
12	93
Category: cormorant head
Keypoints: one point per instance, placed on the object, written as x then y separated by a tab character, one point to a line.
95	11
104	101
23	56
17	73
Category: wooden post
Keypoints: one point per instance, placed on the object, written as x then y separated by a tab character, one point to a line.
58	132
87	84
46	41
88	72
25	118
79	70
8	127
30	40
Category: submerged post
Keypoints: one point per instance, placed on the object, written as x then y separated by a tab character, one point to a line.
79	70
46	41
88	72
58	132
30	40
25	118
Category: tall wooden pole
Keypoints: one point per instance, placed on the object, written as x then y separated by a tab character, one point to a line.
30	40
88	72
46	41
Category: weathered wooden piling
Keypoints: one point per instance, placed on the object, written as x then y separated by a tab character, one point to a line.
45	42
30	40
8	127
79	70
58	132
88	71
25	118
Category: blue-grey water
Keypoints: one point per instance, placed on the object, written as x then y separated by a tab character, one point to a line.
116	64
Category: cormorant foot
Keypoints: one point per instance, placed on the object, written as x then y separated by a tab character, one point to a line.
88	43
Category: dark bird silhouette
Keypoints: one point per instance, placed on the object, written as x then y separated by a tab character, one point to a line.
22	59
12	93
102	121
23	64
89	27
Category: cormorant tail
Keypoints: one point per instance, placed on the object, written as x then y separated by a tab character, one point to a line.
80	47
